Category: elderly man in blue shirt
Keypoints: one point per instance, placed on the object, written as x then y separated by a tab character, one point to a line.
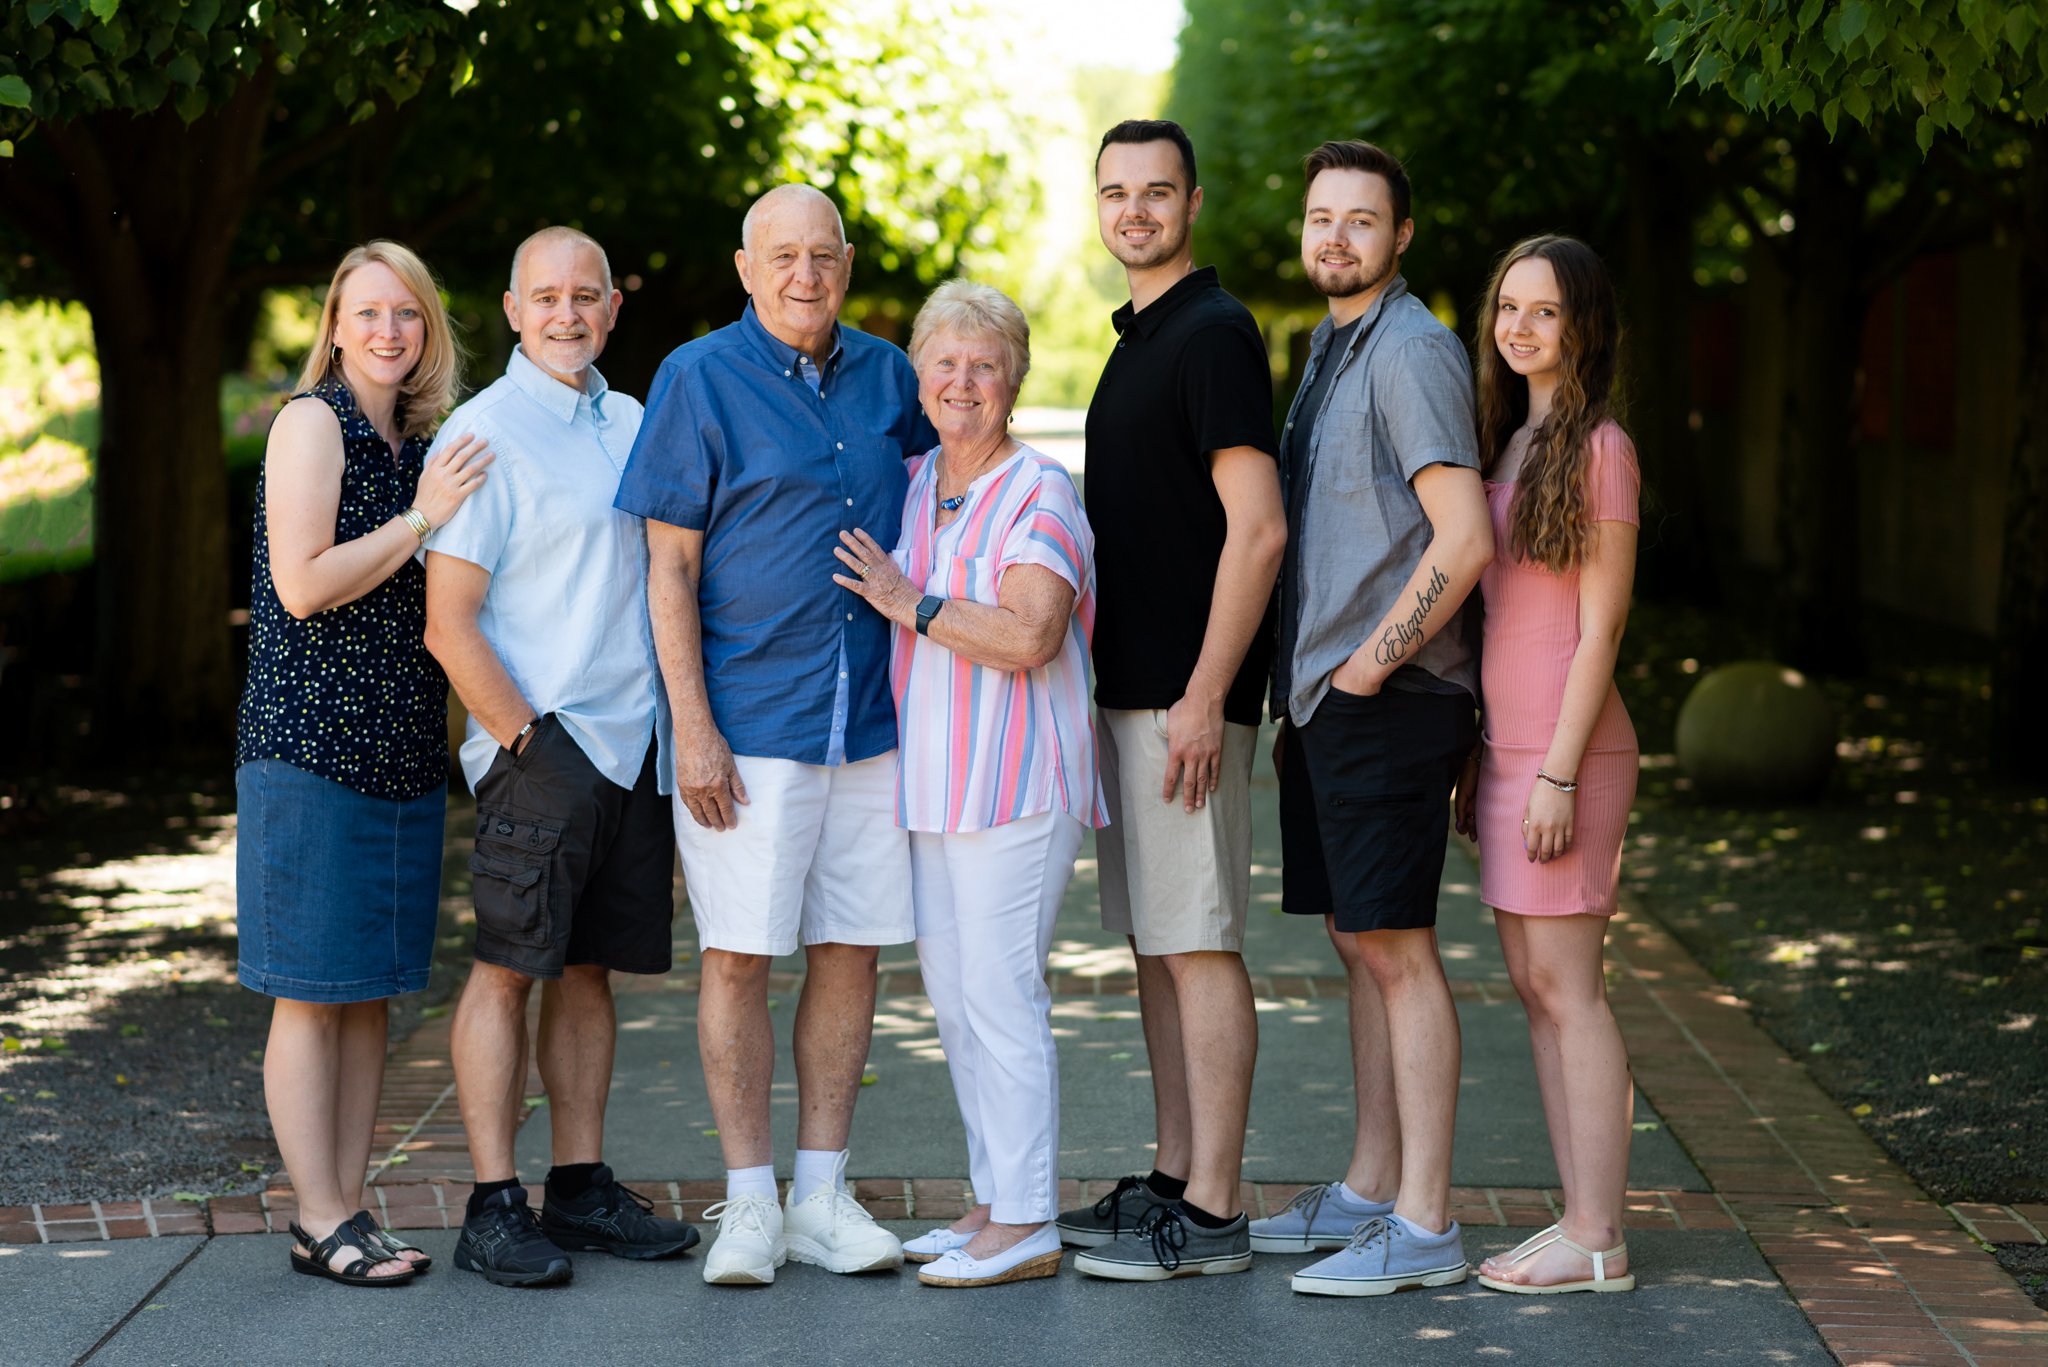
762	443
536	607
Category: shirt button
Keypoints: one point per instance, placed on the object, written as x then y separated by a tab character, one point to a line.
849	503
787	373
842	673
838	446
849	617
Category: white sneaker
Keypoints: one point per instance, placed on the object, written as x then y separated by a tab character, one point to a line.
750	1245
830	1229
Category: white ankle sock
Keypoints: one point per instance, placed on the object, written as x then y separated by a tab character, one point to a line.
815	1168
1346	1196
750	1182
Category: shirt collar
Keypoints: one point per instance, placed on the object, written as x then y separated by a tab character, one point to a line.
550	393
1396	287
775	349
1144	322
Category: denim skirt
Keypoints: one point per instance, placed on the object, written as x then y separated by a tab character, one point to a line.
335	892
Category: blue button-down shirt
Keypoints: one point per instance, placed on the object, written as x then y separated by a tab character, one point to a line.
737	445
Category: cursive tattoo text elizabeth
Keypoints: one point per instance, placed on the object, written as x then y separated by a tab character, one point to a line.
1405	634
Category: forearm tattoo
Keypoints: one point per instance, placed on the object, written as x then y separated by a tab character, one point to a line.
1404	634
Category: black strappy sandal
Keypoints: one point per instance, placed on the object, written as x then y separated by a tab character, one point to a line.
357	1272
393	1244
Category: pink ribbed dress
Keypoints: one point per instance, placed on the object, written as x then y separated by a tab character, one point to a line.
1532	630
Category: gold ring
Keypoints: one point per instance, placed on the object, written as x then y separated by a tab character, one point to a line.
862	571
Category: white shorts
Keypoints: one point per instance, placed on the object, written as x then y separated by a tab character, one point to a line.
816	858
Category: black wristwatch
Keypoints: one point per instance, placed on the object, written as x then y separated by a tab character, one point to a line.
928	608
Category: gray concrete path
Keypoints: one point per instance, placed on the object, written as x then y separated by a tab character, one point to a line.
235	1303
1706	1295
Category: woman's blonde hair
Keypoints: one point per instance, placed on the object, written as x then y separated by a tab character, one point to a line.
967	309
1550	519
429	389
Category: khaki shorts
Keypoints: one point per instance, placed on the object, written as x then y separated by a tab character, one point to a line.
1173	880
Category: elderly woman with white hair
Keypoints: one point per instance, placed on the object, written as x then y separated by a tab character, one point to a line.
991	597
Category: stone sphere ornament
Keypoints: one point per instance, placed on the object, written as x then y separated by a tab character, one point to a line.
1756	731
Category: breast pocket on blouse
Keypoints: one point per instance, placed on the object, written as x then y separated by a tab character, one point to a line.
973	577
1344	450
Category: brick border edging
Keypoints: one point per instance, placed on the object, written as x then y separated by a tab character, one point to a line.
437	1204
1884	1273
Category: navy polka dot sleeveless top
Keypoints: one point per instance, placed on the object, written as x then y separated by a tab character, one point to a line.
351	693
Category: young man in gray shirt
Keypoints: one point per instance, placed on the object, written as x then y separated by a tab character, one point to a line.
1376	685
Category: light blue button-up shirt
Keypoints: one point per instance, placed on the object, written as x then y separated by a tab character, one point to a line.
566	610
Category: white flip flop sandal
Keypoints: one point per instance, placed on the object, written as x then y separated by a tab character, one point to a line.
1543	1239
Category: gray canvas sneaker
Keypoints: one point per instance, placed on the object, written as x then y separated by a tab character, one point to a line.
1317	1218
1167	1245
1384	1256
1117	1213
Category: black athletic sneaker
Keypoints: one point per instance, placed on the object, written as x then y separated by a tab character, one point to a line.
610	1219
504	1242
1115	1214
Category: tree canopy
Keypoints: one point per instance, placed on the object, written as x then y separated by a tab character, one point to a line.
163	160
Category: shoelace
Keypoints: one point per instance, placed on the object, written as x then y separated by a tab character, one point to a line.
745	1211
1169	1235
631	1195
1110	1207
1371	1232
1308	1200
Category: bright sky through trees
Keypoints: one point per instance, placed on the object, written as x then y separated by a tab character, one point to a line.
1135	34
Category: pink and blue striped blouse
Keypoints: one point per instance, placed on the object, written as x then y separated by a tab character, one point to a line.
979	746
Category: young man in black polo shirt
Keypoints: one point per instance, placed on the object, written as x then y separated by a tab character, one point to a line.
1184	497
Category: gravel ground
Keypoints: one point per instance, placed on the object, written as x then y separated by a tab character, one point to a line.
131	1062
1893	935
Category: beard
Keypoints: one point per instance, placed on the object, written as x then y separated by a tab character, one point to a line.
1350	281
1165	243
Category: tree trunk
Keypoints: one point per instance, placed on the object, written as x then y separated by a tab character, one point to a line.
1818	626
153	207
2019	728
1656	300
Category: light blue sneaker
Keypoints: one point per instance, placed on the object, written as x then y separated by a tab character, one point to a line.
1317	1218
1387	1255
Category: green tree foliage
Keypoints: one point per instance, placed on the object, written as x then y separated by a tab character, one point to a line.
165	159
1950	65
1972	76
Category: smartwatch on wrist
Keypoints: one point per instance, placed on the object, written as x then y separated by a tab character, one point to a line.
928	608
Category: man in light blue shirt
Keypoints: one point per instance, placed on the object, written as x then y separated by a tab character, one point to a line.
537	608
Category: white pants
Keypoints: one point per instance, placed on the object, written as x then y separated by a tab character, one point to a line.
817	858
986	901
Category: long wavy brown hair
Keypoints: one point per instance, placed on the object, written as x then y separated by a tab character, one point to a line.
1548	522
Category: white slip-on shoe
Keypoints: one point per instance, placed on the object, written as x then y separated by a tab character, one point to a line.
750	1243
934	1245
1035	1255
830	1229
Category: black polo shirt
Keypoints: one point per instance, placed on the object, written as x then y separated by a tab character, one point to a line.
1188	377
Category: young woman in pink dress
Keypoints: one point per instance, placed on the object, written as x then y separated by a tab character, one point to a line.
1556	768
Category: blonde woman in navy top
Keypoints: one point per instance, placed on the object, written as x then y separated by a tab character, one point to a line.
342	758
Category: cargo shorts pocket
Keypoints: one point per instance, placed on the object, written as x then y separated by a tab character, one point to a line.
511	867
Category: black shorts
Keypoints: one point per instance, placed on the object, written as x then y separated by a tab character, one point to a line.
1365	793
569	867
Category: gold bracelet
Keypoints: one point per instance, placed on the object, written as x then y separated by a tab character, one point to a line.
417	520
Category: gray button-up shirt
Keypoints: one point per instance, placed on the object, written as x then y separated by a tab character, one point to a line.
1400	400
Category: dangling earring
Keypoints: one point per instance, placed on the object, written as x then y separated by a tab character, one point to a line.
334	354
